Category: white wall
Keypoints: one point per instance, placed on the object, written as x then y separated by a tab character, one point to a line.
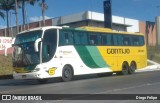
5	42
95	16
118	20
133	25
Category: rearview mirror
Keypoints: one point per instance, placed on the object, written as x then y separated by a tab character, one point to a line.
36	44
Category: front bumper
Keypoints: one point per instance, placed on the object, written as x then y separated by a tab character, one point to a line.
31	75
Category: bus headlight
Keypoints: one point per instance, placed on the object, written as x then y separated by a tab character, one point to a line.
36	70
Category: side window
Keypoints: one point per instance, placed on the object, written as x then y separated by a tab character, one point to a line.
104	39
80	38
141	41
49	44
126	40
138	40
120	39
65	38
135	40
115	39
94	39
110	40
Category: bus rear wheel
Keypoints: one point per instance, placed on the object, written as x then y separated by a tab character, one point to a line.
125	68
67	73
132	68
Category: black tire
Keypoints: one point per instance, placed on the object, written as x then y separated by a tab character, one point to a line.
42	81
132	68
104	74
125	68
67	73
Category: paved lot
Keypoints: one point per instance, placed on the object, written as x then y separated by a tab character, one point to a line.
139	83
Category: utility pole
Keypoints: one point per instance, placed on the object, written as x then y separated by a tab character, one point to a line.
44	6
158	28
16	13
43	10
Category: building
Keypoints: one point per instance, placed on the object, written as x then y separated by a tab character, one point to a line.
119	24
95	19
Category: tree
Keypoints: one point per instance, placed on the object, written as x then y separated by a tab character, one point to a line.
44	6
2	15
23	2
7	5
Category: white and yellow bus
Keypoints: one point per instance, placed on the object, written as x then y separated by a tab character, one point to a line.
53	51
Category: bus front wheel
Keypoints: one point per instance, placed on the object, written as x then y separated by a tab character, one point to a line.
67	73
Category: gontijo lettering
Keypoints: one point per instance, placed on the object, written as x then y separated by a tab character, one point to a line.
118	51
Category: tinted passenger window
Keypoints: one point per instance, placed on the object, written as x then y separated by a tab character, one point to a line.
65	38
104	40
141	40
80	38
135	40
93	39
126	40
120	39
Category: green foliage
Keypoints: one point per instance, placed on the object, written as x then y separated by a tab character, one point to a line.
23	3
7	5
2	15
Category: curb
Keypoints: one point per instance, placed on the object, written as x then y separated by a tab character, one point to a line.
150	68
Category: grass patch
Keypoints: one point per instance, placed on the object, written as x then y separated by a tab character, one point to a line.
6	65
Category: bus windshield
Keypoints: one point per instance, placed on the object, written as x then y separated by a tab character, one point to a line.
24	53
28	37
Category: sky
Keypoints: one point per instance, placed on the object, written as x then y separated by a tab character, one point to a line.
143	10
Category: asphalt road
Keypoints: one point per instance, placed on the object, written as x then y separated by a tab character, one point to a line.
139	83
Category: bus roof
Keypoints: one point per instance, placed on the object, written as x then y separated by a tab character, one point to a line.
106	30
84	28
102	30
